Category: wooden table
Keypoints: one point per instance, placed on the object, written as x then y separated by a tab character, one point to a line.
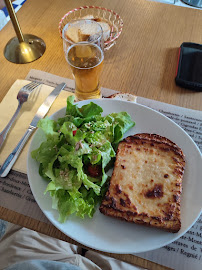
143	62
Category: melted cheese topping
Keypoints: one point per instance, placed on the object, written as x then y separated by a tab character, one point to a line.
138	174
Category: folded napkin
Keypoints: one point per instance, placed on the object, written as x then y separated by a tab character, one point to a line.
7	108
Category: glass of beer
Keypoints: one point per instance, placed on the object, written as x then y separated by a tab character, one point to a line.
86	62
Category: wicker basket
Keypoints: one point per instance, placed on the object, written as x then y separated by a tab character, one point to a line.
114	20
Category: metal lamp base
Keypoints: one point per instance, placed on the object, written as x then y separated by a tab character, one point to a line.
24	52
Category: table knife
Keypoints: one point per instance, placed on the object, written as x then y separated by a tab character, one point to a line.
42	111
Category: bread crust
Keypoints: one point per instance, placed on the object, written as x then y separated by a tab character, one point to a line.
146	184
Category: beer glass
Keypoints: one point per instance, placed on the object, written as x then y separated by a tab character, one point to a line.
86	62
83	47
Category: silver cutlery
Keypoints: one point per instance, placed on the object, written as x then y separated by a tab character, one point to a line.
22	97
42	111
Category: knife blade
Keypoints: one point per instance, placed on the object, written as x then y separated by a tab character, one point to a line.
41	112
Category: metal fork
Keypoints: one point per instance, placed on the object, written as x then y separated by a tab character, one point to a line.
22	97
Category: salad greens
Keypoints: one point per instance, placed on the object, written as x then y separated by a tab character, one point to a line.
76	155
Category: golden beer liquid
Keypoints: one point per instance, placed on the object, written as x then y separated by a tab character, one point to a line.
86	62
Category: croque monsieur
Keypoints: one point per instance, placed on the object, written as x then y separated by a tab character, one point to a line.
146	183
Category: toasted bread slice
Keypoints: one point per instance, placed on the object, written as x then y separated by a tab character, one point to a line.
106	30
146	183
73	35
86	32
88	17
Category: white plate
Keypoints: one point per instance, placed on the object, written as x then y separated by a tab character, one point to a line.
112	235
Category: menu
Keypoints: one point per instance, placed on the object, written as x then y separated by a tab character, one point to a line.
184	253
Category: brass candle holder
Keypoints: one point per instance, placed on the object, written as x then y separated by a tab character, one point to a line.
23	48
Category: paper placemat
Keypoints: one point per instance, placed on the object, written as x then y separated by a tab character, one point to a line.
15	194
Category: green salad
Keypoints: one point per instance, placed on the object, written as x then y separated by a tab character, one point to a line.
78	151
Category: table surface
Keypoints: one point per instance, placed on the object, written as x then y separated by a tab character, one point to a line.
143	62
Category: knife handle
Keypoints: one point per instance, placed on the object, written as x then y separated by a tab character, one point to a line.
11	159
